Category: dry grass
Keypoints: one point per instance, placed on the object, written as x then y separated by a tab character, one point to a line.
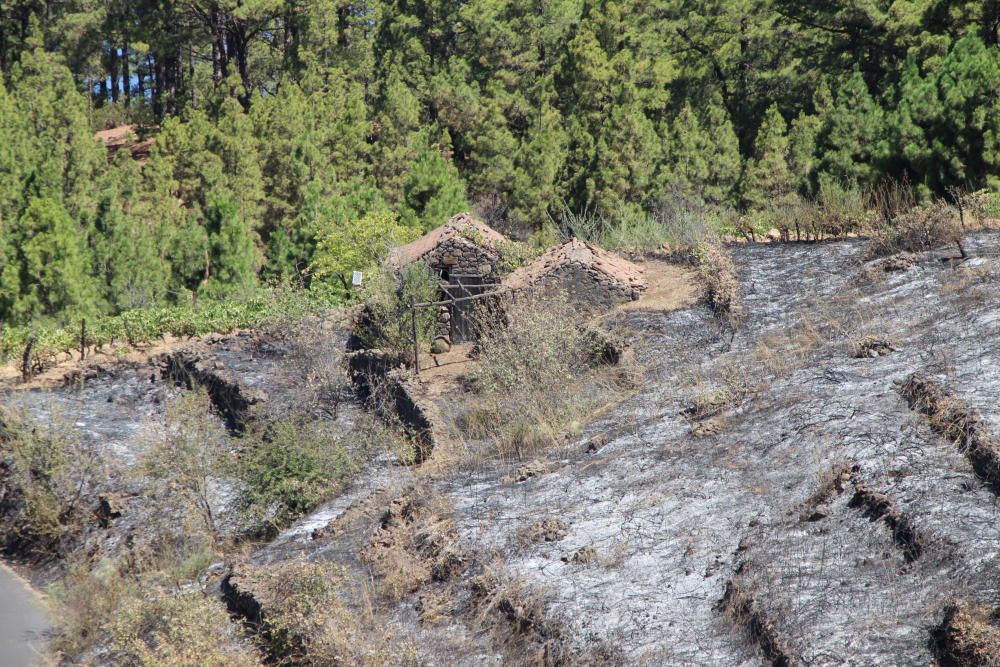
957	422
722	289
744	610
140	619
539	373
415	543
517	615
547	530
306	619
832	481
969	636
868	347
177	629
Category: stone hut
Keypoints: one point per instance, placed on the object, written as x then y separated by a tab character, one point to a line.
591	277
463	245
466	253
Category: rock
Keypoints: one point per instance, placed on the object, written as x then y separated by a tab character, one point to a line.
773	235
817	513
440	346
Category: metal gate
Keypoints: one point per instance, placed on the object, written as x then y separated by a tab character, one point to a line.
463	313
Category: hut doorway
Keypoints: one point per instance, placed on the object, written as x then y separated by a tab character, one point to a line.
463	313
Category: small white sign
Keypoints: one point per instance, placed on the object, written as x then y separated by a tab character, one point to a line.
356	278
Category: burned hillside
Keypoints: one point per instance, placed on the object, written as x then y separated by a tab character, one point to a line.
815	486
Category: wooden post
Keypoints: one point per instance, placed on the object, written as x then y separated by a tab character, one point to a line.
83	338
416	343
26	369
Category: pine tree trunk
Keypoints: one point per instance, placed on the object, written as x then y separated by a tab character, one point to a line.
126	76
113	64
218	48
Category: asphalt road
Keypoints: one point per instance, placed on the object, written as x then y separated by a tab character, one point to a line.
23	622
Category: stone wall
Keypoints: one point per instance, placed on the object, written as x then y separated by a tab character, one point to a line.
460	255
586	288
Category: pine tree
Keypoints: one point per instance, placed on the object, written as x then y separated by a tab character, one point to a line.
768	179
851	139
126	247
233	245
433	191
54	268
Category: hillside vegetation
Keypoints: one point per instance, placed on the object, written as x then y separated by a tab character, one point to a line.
279	125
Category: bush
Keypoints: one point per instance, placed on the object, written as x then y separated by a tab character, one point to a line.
532	355
721	282
127	611
288	468
88	596
50	476
182	629
357	245
184	463
385	322
305	619
914	230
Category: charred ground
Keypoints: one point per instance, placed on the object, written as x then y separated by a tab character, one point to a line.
813	483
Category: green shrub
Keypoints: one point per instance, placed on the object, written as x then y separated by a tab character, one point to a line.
50	476
289	467
385	320
143	326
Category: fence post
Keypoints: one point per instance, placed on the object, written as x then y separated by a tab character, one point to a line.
416	343
26	366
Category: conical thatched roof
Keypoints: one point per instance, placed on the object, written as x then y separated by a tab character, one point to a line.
463	226
605	266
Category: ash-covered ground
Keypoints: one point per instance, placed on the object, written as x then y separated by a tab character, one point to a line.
767	496
681	513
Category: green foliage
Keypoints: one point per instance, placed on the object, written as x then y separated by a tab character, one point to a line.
433	191
287	468
146	325
768	178
385	321
305	117
358	244
679	224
